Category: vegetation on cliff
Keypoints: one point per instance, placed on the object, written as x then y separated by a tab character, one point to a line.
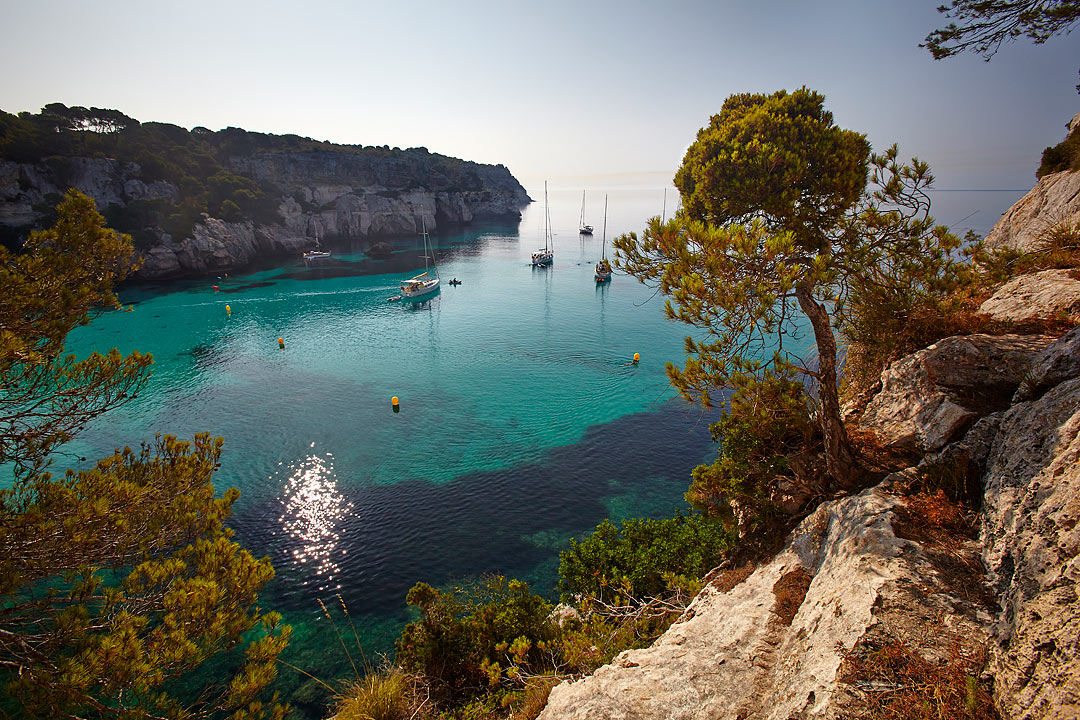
493	648
120	581
1063	156
195	162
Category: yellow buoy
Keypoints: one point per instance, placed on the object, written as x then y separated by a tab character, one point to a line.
637	356
394	402
228	310
281	343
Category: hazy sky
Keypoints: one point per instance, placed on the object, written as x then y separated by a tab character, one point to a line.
553	89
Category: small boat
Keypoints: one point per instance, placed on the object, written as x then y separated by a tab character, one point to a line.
393	298
422	285
455	281
544	256
602	271
316	253
583	227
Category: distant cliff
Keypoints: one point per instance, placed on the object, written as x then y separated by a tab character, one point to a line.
199	202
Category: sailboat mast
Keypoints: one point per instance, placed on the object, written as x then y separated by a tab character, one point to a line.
603	241
547	220
428	248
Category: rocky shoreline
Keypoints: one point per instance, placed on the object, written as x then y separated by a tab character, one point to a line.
341	196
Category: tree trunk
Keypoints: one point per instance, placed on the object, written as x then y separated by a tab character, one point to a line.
841	461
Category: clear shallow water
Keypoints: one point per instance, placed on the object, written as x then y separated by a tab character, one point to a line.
521	425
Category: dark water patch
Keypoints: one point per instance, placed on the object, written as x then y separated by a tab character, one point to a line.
395	535
512	521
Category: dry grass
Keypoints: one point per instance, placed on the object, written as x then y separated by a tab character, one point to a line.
898	683
385	695
790	591
534	699
724	580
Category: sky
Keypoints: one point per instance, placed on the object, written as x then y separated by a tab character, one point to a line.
557	89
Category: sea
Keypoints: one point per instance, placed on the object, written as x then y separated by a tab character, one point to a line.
522	420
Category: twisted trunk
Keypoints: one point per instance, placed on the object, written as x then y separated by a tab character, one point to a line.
840	458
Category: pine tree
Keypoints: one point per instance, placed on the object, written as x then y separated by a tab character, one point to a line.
116	582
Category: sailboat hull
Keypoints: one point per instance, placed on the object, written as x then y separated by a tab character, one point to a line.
418	289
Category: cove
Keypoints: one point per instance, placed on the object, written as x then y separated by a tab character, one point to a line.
522	422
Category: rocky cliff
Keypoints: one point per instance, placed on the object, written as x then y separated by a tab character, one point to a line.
240	196
860	580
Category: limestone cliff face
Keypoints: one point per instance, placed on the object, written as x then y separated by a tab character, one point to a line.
339	195
1055	199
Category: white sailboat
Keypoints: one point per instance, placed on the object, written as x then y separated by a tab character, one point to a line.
602	271
545	255
422	285
584	228
316	253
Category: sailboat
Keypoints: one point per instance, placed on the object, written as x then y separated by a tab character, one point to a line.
422	285
582	227
602	271
316	253
545	255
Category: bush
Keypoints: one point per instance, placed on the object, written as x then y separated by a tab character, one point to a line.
1063	156
642	558
766	435
469	640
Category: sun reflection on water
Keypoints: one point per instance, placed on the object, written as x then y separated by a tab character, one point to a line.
312	508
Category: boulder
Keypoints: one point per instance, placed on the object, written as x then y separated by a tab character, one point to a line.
1042	294
1031	530
929	397
1054	199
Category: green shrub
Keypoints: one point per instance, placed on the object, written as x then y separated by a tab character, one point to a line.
765	435
477	639
642	558
1063	156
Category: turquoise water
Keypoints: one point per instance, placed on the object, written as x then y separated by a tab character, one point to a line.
522	421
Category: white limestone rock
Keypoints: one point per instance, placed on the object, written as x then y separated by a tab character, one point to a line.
1031	531
1054	199
1060	361
1042	294
732	657
928	397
